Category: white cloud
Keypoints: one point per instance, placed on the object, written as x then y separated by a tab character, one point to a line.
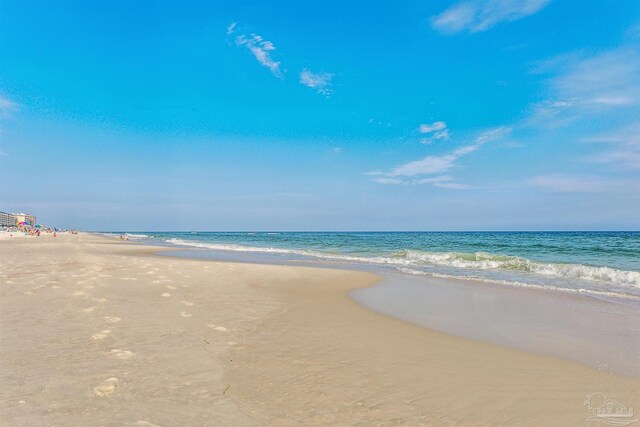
596	95
435	180
611	79
435	137
7	106
436	164
433	127
231	28
625	147
443	181
560	183
432	165
388	181
480	15
262	50
587	85
337	150
453	186
321	82
433	132
426	166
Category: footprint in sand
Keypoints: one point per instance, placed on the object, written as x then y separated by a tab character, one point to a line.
106	387
185	314
78	293
143	423
28	293
88	309
55	287
112	319
170	287
101	335
122	354
217	328
187	303
166	295
99	299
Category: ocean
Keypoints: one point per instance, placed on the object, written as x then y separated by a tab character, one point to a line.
601	264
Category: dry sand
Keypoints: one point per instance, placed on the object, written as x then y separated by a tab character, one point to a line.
100	332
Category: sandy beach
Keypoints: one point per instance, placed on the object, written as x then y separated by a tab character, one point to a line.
101	332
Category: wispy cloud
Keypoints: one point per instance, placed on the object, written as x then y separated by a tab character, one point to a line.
263	49
444	181
428	165
388	180
413	172
260	48
437	164
596	96
320	82
7	106
624	146
433	127
433	132
587	85
480	15
611	79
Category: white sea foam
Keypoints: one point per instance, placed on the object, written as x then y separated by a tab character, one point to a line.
487	261
131	236
595	292
137	236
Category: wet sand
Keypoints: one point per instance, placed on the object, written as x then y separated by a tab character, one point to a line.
100	332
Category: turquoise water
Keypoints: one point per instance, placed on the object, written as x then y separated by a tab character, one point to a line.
597	263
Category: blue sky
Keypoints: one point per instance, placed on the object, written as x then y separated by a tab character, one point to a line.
468	115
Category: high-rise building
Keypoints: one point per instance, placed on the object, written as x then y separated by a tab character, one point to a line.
13	219
7	219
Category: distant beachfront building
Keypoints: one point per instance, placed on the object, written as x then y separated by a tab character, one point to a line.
23	217
7	219
12	220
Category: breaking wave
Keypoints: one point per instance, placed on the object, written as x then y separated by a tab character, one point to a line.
487	261
450	263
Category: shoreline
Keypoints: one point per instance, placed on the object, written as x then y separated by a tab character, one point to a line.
248	344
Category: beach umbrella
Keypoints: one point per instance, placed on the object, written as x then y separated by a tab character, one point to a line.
40	226
24	223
